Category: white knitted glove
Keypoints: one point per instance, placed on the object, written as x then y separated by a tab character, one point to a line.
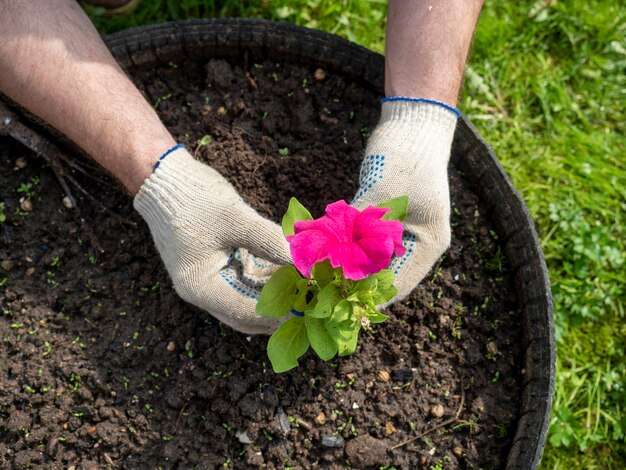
205	234
408	154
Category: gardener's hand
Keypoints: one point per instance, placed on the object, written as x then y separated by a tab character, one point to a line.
205	234
408	154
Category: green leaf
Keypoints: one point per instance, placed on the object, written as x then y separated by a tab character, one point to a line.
375	289
298	299
347	346
375	316
398	208
323	273
287	344
327	298
277	294
341	331
385	278
383	296
364	285
321	341
295	212
385	290
342	312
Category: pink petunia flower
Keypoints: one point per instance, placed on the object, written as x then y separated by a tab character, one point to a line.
357	241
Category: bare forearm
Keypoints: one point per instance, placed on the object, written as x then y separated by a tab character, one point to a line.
427	44
53	62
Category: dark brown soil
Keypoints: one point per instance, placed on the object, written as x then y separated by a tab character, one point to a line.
103	366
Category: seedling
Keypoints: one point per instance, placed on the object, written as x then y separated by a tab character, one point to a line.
502	430
204	141
162	98
28	189
456	327
465	424
74	381
188	350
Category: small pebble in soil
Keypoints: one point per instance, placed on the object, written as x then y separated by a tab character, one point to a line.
51	446
20	163
108	459
333	441
26	205
171	346
319	75
320	418
243	437
437	410
389	429
366	451
67	202
492	348
285	426
384	375
6	265
458	451
30	271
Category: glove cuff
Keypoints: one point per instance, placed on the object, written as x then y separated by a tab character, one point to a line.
417	111
421	100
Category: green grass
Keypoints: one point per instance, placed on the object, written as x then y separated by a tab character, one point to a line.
546	87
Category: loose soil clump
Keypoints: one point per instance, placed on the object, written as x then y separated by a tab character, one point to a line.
104	366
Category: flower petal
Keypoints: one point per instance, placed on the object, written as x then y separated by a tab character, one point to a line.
307	248
345	216
379	251
352	259
357	241
374	212
367	225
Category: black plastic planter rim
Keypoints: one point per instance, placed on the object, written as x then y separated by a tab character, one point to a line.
251	39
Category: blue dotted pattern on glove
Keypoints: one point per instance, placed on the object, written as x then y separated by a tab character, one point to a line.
408	241
371	173
230	276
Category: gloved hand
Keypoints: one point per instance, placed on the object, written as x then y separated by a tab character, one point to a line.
408	154
206	236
